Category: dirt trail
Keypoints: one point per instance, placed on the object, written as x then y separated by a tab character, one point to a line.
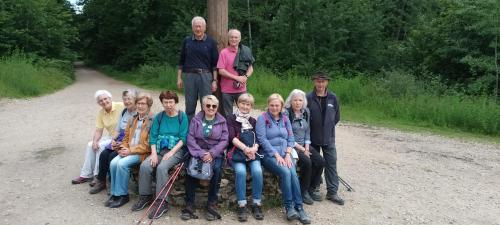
399	177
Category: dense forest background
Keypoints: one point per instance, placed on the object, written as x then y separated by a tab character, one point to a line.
397	49
450	41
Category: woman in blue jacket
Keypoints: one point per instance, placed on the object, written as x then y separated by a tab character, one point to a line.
275	136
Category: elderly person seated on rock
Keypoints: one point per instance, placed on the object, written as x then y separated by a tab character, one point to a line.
167	139
311	163
107	119
207	139
134	149
241	126
108	154
275	136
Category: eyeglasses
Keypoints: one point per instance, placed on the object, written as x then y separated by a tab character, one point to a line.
210	106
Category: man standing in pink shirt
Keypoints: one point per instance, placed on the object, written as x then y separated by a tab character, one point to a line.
235	66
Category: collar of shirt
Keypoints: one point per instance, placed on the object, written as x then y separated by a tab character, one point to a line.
232	49
203	39
113	108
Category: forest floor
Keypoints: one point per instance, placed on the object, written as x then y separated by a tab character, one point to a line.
399	177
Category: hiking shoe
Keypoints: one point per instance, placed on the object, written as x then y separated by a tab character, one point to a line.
121	200
80	180
144	200
291	214
111	199
257	212
188	213
159	208
98	187
303	217
93	182
306	198
315	195
242	214
212	213
335	199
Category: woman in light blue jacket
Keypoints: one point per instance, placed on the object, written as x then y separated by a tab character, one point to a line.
275	136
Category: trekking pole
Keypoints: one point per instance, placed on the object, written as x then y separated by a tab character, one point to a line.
164	186
174	176
349	188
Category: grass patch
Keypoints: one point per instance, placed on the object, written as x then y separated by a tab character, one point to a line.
395	99
27	76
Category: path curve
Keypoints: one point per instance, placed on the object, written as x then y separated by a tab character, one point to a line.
399	177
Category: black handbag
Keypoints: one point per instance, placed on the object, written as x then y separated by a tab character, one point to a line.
248	138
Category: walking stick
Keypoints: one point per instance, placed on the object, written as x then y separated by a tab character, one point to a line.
349	188
169	184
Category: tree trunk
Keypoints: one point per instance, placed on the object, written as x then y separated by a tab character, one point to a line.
217	12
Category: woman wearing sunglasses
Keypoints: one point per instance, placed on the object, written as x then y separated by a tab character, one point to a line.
275	136
241	126
207	139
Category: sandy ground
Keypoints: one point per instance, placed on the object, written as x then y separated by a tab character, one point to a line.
399	177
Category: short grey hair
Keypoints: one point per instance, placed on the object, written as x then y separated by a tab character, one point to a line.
130	92
102	92
296	93
209	97
246	97
198	18
233	30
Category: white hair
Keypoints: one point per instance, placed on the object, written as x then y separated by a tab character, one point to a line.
233	30
211	98
296	93
198	18
102	92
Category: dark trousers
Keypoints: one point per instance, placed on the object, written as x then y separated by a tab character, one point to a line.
213	189
311	169
331	176
227	102
104	160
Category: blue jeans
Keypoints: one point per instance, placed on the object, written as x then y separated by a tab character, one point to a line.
289	182
213	188
120	173
240	170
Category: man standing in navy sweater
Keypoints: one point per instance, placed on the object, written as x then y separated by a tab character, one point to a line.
325	114
197	71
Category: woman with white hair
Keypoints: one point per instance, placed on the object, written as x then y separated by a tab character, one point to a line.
311	163
107	119
207	139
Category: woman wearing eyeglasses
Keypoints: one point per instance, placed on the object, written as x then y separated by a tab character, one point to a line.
275	136
207	139
241	126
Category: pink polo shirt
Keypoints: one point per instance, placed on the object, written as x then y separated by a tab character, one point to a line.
226	61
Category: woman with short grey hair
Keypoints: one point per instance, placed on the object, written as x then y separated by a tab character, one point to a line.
311	163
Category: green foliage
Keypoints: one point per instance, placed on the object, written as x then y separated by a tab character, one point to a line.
397	96
44	28
26	76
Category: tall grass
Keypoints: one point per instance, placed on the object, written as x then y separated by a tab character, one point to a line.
396	97
26	76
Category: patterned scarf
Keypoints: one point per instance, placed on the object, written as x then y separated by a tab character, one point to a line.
243	118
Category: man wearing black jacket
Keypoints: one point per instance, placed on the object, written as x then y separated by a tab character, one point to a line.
325	114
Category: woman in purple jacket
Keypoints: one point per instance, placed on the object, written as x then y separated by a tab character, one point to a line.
275	135
207	139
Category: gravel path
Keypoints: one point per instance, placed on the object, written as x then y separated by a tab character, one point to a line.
399	177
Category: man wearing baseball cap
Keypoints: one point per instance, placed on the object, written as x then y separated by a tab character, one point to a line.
325	114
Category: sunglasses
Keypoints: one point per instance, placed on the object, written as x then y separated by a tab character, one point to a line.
210	106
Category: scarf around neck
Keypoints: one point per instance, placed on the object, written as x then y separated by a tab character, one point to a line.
244	119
